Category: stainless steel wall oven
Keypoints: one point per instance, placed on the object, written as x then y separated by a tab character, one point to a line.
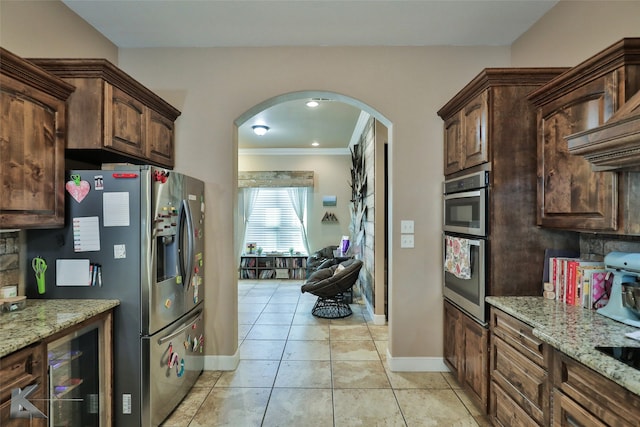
465	243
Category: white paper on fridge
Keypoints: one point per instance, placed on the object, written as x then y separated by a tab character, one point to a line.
115	209
86	234
72	272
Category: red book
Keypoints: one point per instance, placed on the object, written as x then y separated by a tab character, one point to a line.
572	267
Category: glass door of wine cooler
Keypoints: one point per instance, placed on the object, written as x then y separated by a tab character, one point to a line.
75	364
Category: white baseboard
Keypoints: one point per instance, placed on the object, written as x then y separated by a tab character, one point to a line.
416	364
222	363
378	319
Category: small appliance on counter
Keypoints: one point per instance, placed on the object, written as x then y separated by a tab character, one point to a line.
624	300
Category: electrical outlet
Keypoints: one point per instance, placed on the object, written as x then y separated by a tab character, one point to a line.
406	241
406	226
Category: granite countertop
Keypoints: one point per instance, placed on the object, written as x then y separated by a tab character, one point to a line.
42	318
576	332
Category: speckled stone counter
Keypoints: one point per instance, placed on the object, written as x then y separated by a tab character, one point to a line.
576	332
42	318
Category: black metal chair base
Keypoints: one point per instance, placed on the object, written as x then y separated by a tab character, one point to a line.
331	307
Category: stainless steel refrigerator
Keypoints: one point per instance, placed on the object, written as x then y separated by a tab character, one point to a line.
134	233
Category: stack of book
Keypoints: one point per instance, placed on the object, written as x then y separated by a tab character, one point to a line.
578	282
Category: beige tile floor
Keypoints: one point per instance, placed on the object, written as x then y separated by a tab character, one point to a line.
299	370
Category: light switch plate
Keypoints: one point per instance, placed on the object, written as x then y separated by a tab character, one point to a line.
406	241
406	226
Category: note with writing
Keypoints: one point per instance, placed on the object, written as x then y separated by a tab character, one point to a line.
86	234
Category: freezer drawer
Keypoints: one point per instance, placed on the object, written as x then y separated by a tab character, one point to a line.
175	361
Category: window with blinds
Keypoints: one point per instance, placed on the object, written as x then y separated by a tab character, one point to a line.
273	224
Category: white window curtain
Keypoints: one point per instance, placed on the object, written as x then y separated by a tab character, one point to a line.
274	224
298	197
249	197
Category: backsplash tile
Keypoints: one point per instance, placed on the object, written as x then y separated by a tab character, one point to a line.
595	246
9	258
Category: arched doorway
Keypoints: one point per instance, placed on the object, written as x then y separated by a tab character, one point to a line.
374	251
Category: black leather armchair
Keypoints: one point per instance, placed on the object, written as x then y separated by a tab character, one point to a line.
330	286
321	259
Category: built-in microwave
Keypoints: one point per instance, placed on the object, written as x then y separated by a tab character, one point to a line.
465	204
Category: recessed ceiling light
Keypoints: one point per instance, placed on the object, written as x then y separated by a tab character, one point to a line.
312	104
315	143
260	129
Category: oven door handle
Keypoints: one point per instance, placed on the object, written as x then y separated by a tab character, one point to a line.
474	242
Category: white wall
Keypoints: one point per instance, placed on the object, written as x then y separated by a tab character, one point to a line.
49	29
331	177
405	84
573	31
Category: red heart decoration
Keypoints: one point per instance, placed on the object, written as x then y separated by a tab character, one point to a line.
78	192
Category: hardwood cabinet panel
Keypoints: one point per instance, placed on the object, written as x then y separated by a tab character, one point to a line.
567	413
465	136
127	125
32	141
475	140
113	117
599	397
18	370
570	194
452	338
507	413
452	145
520	336
466	346
160	136
476	359
524	381
519	368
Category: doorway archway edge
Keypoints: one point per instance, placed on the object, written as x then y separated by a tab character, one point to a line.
292	96
334	96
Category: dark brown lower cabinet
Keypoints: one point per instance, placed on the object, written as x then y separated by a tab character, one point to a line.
582	397
519	376
567	413
20	369
466	346
533	384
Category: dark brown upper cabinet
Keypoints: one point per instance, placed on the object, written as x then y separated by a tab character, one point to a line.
571	195
32	141
112	117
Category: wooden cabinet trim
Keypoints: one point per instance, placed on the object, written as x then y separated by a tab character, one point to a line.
520	336
624	52
494	77
505	412
525	382
567	413
99	68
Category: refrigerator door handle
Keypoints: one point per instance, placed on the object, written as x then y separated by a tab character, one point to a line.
188	271
187	324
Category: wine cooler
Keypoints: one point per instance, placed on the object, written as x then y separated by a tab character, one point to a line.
75	390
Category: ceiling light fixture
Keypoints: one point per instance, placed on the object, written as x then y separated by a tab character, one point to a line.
260	129
313	103
315	143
